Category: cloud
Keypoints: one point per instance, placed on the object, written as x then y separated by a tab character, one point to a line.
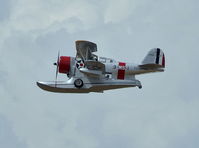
118	11
162	114
7	137
4	10
37	15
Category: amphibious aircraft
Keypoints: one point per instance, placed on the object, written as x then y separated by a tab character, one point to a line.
89	73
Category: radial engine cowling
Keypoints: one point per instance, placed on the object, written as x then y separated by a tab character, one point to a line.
64	64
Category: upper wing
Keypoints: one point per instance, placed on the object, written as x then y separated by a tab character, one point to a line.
85	50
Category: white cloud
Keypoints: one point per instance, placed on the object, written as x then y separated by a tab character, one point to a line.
6	133
39	15
162	114
118	11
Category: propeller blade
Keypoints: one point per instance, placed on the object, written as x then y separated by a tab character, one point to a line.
57	69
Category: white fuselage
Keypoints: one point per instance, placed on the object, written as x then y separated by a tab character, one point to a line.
118	70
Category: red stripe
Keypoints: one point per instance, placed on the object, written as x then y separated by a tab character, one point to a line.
121	72
122	64
163	61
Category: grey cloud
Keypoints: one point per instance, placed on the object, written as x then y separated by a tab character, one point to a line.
7	137
159	115
4	9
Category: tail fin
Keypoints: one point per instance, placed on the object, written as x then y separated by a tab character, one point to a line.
154	59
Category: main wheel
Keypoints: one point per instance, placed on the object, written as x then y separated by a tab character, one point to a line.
78	83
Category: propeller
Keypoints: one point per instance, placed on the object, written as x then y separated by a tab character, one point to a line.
57	69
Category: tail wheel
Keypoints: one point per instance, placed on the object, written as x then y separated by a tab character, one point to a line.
78	83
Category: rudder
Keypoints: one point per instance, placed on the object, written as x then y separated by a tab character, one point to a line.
154	59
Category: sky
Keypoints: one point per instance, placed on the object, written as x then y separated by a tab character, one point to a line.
163	114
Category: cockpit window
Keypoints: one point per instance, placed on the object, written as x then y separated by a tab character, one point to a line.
103	60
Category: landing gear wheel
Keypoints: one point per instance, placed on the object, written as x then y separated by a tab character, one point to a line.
140	87
78	83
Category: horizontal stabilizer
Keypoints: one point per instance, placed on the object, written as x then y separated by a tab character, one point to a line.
150	66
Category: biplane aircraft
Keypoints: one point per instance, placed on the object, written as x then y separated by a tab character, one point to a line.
89	73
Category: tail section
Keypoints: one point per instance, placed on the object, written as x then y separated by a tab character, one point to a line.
155	59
